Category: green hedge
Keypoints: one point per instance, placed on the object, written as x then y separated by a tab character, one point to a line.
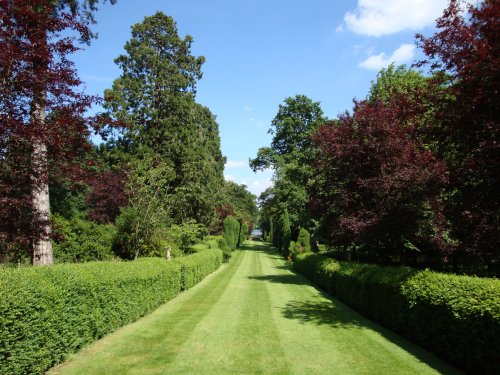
455	317
196	266
243	234
49	312
231	232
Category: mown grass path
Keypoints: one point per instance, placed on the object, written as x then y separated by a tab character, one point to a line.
253	316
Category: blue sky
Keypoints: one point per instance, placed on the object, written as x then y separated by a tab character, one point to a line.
258	52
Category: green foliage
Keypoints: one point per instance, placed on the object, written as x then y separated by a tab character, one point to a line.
128	242
290	156
47	313
141	226
303	244
397	81
243	234
222	244
155	96
231	232
79	240
448	314
196	266
304	239
242	202
185	235
67	202
286	233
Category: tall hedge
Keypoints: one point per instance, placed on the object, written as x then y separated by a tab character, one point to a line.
455	317
243	234
231	232
50	312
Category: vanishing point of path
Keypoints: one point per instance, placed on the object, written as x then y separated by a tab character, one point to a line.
253	316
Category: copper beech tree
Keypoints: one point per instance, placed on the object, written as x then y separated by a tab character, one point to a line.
43	128
465	55
376	186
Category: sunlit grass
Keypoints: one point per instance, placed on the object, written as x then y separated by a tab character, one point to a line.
253	316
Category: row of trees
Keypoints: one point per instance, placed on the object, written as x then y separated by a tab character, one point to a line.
159	171
411	176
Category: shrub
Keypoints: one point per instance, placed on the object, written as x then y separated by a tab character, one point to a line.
243	234
231	232
136	237
185	235
221	243
49	312
303	244
304	240
455	317
79	240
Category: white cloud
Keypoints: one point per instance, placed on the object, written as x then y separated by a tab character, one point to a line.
236	164
403	54
266	172
258	186
229	177
383	17
247	108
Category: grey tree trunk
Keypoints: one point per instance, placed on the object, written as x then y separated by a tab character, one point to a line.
41	246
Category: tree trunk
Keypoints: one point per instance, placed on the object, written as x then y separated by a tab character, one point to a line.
41	244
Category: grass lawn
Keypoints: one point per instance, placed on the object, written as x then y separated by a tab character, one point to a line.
253	316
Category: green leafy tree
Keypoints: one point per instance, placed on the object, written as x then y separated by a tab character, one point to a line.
141	226
185	235
290	156
154	98
242	202
397	81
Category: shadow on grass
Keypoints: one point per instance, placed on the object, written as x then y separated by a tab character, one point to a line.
285	267
331	312
336	314
281	279
325	312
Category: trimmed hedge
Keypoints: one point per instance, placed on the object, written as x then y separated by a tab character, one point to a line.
455	317
195	267
48	313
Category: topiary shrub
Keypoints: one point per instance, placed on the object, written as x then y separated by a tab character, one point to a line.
303	244
243	234
304	240
231	232
221	244
455	317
